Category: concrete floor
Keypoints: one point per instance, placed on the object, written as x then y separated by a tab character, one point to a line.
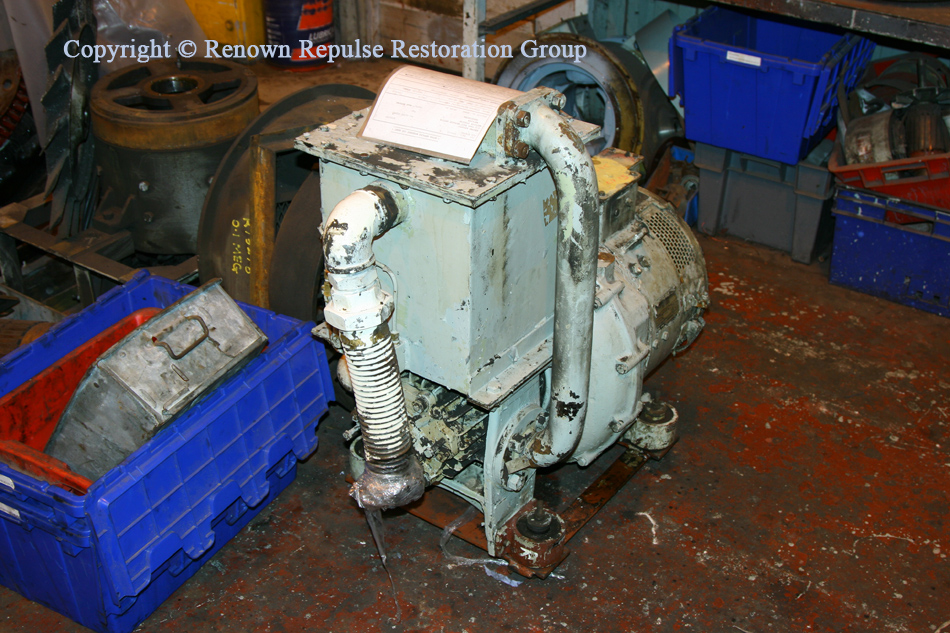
808	493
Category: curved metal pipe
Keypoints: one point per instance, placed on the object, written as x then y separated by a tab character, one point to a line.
577	235
358	307
353	225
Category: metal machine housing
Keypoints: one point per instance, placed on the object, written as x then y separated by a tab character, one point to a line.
470	266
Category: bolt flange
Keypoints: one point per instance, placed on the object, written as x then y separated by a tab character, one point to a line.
520	150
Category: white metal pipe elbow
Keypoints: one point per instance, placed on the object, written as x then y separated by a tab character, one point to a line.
575	271
356	300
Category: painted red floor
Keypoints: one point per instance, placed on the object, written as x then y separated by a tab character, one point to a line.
808	493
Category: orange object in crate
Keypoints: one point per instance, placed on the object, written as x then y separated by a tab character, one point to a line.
29	413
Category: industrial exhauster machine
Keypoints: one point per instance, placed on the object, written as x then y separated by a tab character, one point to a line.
498	296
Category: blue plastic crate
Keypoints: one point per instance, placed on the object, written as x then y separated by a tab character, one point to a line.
906	263
761	86
111	557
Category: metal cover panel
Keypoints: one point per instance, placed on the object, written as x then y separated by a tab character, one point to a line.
176	356
476	287
154	373
470	185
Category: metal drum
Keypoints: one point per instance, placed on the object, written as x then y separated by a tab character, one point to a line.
161	129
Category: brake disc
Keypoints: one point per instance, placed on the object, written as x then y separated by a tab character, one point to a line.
611	87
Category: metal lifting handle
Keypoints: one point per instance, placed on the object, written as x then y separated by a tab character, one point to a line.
190	348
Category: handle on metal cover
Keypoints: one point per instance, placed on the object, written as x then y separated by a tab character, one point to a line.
194	344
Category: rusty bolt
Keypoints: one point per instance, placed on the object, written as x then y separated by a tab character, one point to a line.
523	118
538	520
656	413
559	102
143	186
520	150
419	405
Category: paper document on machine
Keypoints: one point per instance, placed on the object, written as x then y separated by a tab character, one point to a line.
434	113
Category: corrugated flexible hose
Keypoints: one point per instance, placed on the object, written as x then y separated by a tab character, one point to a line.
380	404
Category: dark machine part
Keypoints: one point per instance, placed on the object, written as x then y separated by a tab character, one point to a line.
925	130
611	87
161	130
224	231
905	75
899	112
70	162
875	138
13	100
11	270
7	304
296	272
20	151
675	181
896	83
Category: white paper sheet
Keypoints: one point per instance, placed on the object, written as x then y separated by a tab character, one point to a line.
434	113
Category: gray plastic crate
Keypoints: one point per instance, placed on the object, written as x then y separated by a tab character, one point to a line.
787	207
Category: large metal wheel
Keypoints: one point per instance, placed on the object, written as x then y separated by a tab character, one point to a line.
161	130
611	87
296	270
193	102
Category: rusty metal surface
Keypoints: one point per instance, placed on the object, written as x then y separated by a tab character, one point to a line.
161	130
440	508
808	493
263	164
602	490
91	251
533	556
166	105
